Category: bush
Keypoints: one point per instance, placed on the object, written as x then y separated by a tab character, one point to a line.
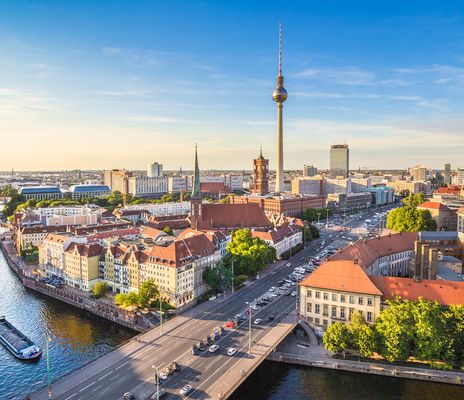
100	289
293	251
441	366
239	279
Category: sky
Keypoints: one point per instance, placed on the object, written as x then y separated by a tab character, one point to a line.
118	84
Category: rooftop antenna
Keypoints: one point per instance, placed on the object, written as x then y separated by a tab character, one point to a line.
280	48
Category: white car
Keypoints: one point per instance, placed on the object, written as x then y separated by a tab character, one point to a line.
289	264
185	390
163	376
257	321
232	351
293	294
254	308
213	348
272	288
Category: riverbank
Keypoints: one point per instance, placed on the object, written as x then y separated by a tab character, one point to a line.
71	296
299	350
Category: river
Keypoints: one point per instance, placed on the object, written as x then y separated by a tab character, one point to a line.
78	338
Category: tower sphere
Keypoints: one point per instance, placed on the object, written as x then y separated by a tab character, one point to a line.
280	94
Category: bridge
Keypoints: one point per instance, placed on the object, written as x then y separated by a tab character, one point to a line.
132	366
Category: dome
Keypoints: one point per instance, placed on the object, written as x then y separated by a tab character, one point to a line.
280	94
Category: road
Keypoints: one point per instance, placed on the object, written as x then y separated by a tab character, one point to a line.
130	368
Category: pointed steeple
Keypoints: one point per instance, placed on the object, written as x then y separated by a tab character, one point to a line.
196	190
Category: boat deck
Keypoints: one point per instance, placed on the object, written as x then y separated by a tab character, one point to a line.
12	337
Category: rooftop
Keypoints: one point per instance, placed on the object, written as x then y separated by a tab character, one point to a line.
343	276
89	188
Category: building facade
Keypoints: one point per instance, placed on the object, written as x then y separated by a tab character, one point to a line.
89	191
154	170
339	161
149	187
41	192
260	175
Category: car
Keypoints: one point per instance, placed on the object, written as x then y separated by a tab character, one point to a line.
293	294
287	293
289	264
272	288
270	318
231	351
163	375
202	346
187	389
254	307
231	324
129	396
160	395
213	348
175	366
275	295
257	321
195	350
208	340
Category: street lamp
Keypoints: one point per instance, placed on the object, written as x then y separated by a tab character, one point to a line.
161	318
47	341
232	275
156	378
249	326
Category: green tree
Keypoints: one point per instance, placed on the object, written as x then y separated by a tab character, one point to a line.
395	330
8	191
218	277
100	289
314	231
168	230
410	219
313	214
249	254
148	293
362	336
429	329
126	300
336	338
225	200
414	200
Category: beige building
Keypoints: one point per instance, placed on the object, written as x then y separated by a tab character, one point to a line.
412	187
460	214
337	289
81	265
445	217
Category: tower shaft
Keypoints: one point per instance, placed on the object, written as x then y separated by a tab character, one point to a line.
280	150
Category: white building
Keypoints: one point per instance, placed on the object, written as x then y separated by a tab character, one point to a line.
154	170
178	184
89	191
336	186
307	186
282	238
360	185
144	186
164	209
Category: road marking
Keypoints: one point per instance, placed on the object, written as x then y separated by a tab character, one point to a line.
122	365
86	387
104	376
70	396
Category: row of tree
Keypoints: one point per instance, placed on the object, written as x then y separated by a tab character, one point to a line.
409	218
146	296
18	202
314	214
421	329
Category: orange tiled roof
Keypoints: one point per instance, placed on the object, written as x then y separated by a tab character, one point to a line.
435	205
343	276
368	251
277	234
224	216
213	187
445	292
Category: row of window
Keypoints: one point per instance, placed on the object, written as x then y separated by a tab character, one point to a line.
335	312
341	297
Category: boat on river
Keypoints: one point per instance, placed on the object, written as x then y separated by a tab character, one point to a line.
16	342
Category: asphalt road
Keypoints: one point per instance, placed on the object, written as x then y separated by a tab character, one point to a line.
135	372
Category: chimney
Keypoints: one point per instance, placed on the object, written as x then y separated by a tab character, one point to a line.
356	261
433	263
389	235
416	272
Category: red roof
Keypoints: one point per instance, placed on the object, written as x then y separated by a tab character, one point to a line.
277	234
368	251
343	276
213	187
435	205
229	216
451	189
445	292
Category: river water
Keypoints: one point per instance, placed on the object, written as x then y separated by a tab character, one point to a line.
78	338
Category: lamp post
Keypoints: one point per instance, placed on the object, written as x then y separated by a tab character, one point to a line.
47	341
161	317
249	328
156	378
327	220
232	275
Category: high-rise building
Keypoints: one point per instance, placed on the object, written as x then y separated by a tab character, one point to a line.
117	180
460	176
260	173
154	170
339	160
309	170
418	173
447	174
279	96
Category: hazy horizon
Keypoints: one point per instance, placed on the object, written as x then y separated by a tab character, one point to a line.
101	85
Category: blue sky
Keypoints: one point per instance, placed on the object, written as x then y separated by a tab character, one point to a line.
112	84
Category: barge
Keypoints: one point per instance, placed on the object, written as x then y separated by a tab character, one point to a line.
17	343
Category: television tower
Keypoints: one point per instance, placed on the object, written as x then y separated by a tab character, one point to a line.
279	96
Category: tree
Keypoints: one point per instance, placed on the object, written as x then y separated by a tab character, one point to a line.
362	337
8	191
429	329
410	219
168	230
314	231
336	338
148	293
218	277
313	214
249	254
100	289
414	200
395	330
125	300
225	200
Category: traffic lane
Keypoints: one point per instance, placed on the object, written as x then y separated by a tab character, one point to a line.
233	305
137	367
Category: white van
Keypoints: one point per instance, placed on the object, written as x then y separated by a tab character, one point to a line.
300	270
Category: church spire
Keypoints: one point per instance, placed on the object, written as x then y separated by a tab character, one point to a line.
196	190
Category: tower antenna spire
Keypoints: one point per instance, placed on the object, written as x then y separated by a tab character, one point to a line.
280	48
